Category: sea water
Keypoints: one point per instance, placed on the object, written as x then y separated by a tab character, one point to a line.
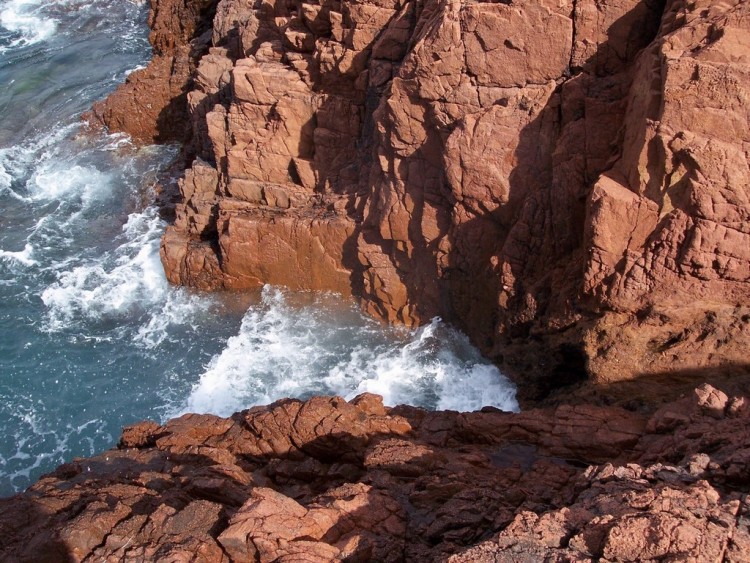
92	337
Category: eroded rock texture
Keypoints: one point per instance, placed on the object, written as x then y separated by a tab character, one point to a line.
567	180
327	480
151	105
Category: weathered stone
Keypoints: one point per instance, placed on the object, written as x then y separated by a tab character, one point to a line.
328	479
573	172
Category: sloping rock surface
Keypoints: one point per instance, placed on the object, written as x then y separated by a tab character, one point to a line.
330	480
566	180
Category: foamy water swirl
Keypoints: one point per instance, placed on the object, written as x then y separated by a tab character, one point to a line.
26	22
286	350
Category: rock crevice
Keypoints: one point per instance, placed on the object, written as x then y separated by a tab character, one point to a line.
330	480
549	176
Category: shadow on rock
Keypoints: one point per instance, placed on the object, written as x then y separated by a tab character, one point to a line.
327	479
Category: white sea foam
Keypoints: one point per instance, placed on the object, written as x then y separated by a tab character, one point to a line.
124	74
287	351
33	21
114	282
19	161
126	282
5	178
24	256
438	368
59	179
56	175
26	20
178	308
53	181
110	339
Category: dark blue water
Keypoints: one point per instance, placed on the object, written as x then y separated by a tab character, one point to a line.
91	335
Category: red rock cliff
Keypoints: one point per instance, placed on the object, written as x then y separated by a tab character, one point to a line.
567	180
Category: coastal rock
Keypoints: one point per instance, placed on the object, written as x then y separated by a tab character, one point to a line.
151	106
679	282
328	480
565	181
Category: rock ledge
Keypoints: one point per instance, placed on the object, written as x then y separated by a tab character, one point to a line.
330	480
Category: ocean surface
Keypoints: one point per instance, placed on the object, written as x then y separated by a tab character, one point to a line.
92	337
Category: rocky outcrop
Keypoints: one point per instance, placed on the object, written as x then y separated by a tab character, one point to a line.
151	105
565	180
327	480
666	231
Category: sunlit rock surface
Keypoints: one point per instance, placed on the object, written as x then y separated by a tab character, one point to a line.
327	480
566	181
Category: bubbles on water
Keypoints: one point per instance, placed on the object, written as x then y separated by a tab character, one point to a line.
126	285
288	350
26	22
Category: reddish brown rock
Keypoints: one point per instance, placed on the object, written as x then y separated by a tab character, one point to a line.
566	181
152	104
327	480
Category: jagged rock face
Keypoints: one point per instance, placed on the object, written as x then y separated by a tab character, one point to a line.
151	105
565	180
666	232
327	480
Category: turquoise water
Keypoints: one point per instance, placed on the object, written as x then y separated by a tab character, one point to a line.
91	335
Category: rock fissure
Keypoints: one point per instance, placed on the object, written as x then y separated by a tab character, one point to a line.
565	181
106	537
429	486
